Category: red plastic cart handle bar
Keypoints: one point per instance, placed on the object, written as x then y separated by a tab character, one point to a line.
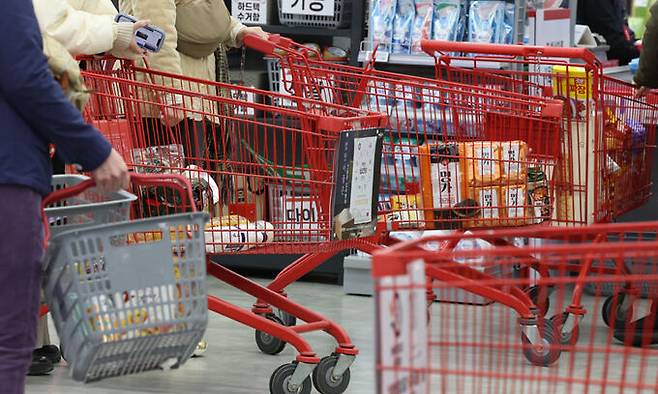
276	42
431	47
177	182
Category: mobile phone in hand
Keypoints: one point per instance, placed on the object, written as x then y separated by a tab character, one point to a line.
150	38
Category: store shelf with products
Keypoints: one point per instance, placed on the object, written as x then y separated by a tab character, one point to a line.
398	30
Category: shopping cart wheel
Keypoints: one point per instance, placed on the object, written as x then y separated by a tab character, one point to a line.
267	343
287	319
566	338
547	350
281	377
323	378
621	317
61	350
544	304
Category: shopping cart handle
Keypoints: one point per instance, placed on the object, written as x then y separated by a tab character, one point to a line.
276	42
177	182
431	47
267	47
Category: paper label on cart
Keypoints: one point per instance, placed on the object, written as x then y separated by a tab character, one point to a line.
446	178
402	332
484	157
489	202
308	7
362	179
301	215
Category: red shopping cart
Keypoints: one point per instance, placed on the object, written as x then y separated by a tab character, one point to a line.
602	114
594	155
236	147
475	348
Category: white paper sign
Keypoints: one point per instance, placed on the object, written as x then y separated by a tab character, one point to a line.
252	12
308	7
403	334
363	179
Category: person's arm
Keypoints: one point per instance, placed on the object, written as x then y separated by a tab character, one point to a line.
238	31
647	73
30	89
604	19
83	31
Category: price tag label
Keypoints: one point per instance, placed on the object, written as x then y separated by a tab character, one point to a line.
250	11
309	7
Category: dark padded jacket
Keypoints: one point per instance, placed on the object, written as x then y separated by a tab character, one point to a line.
33	109
647	74
608	18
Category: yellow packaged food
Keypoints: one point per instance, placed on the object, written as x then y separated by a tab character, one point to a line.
442	180
226	221
407	210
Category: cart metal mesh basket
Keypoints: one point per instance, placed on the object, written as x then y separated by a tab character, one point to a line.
341	18
128	297
89	208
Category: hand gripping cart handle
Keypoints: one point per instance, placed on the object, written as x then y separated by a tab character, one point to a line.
129	296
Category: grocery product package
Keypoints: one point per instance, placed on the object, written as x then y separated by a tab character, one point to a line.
404	20
422	27
486	21
235	233
510	16
449	20
381	24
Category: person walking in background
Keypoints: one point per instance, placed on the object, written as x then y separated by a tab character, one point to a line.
34	112
647	72
194	30
608	18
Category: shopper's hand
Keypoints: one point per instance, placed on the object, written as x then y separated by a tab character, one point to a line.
172	115
134	48
113	174
641	92
255	30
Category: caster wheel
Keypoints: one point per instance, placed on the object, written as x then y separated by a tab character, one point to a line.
620	318
267	343
566	338
201	348
61	350
544	305
287	319
547	352
324	382
281	377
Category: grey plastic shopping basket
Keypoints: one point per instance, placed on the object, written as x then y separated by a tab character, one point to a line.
89	208
130	296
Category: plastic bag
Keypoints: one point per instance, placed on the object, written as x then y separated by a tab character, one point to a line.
449	20
404	20
486	21
422	28
510	16
381	24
